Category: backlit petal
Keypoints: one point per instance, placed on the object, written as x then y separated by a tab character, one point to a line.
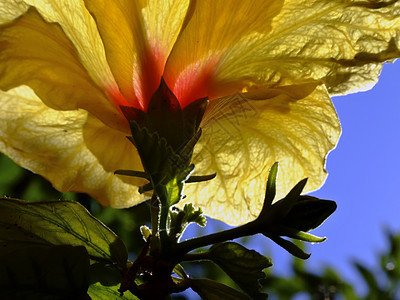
79	26
51	143
244	135
39	54
138	36
340	43
111	147
11	9
213	27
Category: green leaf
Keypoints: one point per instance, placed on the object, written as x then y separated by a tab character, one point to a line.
100	292
193	215
174	187
57	223
178	270
173	191
244	266
44	272
180	219
213	290
309	213
105	274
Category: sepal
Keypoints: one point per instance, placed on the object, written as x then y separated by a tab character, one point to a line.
165	136
166	170
292	216
288	246
166	117
309	213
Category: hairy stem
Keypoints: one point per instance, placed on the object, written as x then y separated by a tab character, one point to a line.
155	214
163	221
184	247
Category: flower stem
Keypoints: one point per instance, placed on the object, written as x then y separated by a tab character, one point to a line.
154	214
184	247
163	221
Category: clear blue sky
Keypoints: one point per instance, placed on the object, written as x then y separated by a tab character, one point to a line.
364	176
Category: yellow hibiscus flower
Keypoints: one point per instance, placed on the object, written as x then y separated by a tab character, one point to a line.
267	67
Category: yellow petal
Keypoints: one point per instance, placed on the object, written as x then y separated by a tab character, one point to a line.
245	134
211	29
340	43
38	54
11	9
79	26
51	143
111	147
138	36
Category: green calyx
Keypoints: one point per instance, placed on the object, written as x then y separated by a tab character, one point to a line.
165	136
166	117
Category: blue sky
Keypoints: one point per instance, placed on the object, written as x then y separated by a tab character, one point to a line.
364	176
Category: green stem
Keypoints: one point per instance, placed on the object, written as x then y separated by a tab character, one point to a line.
163	223
214	238
163	219
155	225
154	214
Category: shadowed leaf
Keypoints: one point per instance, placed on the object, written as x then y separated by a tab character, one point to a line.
213	290
44	272
57	223
244	266
100	292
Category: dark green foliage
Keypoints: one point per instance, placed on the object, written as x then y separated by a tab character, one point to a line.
100	292
57	223
244	266
213	290
44	272
55	250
